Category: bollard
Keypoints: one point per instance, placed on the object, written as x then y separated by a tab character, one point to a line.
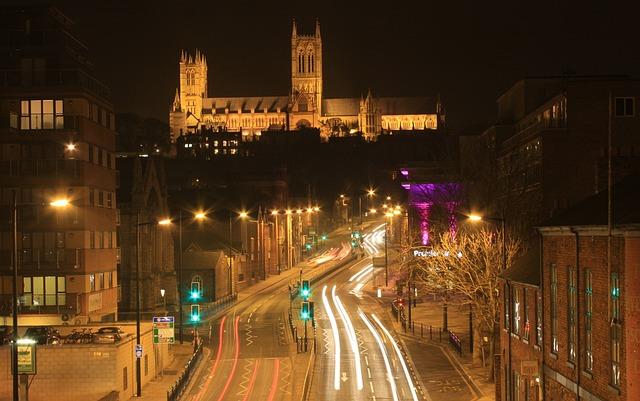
421	330
440	334
430	332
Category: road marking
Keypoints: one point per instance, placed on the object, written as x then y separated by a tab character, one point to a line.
383	351
355	348
369	372
235	360
399	354
251	381
217	361
336	338
371	386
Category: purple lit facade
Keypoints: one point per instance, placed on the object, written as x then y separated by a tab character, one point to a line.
424	197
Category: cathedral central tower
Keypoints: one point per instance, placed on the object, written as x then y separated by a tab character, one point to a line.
306	77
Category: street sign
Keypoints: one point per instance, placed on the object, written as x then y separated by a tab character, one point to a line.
26	357
163	330
138	351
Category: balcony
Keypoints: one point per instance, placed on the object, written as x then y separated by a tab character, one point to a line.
69	78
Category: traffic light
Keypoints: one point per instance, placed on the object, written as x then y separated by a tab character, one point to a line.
324	237
305	289
195	313
304	311
311	308
195	293
308	246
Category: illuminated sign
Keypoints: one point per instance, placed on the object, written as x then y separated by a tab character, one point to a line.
430	253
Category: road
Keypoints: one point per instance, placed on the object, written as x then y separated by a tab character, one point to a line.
252	351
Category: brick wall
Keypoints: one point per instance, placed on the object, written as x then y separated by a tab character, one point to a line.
562	376
521	349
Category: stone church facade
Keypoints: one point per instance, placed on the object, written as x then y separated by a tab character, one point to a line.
304	106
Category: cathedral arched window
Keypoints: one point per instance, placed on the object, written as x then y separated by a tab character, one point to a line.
313	63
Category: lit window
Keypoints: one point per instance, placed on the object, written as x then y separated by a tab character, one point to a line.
554	309
571	314
41	114
616	330
92	282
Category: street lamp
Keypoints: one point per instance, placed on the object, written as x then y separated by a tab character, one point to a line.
57	203
388	215
477	218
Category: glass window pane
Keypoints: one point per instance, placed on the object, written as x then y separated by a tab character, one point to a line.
36	121
59	107
62	299
24	122
26	284
59	122
62	284
38	285
47	106
36	107
47	121
24	107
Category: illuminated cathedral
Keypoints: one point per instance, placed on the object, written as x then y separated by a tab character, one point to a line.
304	106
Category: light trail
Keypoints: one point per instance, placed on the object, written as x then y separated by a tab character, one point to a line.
215	364
361	273
383	351
274	382
251	381
336	338
399	354
235	359
351	333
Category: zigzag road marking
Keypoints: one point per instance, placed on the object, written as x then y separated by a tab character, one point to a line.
249	337
246	376
285	379
325	338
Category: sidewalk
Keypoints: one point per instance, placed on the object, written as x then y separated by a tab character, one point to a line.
157	388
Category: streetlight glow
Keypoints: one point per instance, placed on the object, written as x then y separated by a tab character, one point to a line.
200	216
243	215
388	214
71	147
475	217
371	192
373	211
397	212
274	212
316	209
299	211
288	211
60	203
164	222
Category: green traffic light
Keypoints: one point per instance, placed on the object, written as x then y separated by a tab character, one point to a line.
195	318
195	294
324	237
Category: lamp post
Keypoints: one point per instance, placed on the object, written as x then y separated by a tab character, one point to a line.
275	214
502	221
58	203
388	215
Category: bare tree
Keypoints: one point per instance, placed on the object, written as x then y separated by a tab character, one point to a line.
468	264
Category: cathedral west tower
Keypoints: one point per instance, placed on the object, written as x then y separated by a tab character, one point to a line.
306	77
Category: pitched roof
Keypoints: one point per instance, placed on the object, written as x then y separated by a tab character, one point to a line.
406	105
593	211
340	107
526	269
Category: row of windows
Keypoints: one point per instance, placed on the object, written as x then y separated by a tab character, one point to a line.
408	125
44	291
102	157
38	114
101	281
101	198
516	313
615	336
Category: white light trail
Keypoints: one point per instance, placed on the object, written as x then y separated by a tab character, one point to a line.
336	338
361	273
394	390
397	349
351	333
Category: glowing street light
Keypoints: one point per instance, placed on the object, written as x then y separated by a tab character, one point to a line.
71	147
316	209
274	212
243	215
60	203
164	222
200	215
475	217
288	211
373	211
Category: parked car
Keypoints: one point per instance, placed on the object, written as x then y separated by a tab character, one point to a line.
6	334
108	335
43	335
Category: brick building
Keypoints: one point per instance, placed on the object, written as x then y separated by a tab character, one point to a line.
57	130
521	325
591	343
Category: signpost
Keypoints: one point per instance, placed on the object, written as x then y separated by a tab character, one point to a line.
138	351
163	330
26	357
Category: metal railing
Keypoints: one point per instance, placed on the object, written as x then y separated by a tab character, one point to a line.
426	331
175	392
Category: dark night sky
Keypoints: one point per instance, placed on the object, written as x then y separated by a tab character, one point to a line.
468	51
